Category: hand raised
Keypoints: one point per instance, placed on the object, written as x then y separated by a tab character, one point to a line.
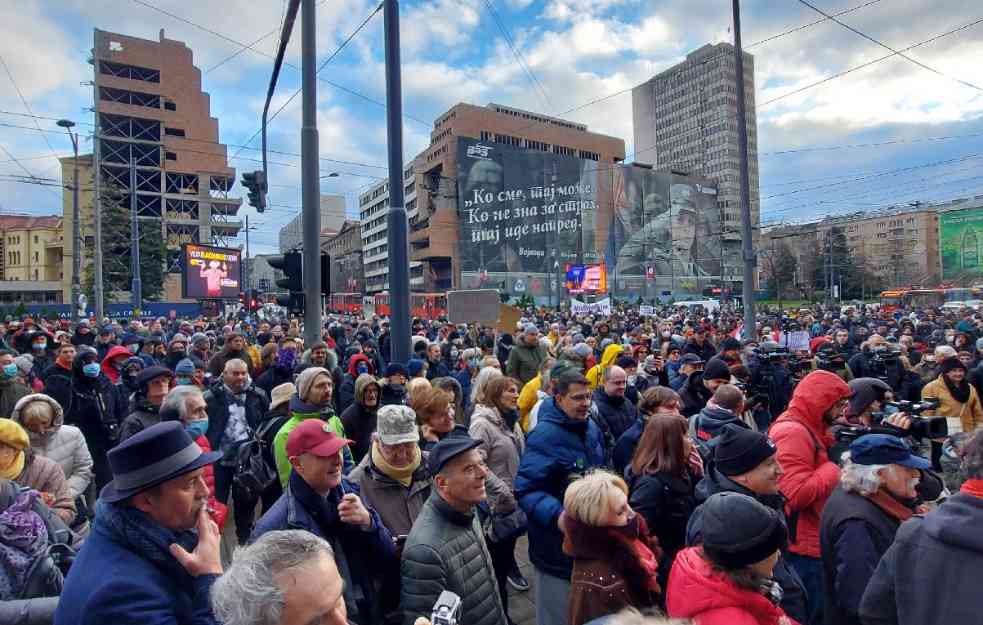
205	559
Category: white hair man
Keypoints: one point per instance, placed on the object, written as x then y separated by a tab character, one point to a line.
287	577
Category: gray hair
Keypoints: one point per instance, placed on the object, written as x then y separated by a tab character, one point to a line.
235	362
481	381
177	399
248	592
863	479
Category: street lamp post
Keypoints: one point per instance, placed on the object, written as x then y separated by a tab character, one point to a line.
76	226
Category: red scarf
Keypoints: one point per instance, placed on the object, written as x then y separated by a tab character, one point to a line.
892	506
973	487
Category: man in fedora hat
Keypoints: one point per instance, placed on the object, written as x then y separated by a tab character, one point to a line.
144	561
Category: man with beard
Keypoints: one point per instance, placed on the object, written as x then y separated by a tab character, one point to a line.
802	436
359	418
234	348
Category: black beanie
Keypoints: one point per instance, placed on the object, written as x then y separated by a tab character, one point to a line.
739	531
740	449
730	344
716	369
951	363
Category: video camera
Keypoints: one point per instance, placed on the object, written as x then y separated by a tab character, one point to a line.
922	427
446	610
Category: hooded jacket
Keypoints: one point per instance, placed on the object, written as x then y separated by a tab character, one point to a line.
65	445
107	363
803	440
347	393
523	362
359	420
694	394
707	425
611	353
931	573
709	598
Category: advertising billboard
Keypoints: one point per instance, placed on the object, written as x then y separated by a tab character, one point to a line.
961	244
210	272
587	278
525	215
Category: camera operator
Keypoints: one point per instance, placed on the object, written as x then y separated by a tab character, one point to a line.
770	377
879	360
828	358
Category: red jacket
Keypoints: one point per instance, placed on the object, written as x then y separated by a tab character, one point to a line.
695	592
107	366
802	440
216	509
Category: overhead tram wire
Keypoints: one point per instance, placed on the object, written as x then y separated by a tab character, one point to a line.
518	55
23	100
269	56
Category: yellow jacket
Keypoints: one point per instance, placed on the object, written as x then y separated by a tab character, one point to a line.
969	414
611	353
527	399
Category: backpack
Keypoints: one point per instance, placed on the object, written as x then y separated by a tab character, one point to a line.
32	560
255	464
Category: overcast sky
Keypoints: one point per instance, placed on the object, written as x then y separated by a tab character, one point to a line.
900	132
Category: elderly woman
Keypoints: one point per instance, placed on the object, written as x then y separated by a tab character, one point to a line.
876	494
19	463
434	414
614	560
495	422
43	419
479	384
729	579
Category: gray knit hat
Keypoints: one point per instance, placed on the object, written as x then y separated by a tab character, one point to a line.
306	379
198	337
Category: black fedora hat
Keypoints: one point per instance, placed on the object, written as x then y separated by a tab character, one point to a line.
157	454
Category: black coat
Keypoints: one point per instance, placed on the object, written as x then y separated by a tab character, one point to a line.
931	573
705	352
613	415
694	394
667	502
274	377
217	400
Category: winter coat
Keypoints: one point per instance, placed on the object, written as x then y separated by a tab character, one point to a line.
45	475
65	445
706	425
614	415
10	393
666	502
274	377
854	534
970	414
694	394
112	581
931	573
446	550
360	554
608	572
528	397
596	373
794	597
107	363
397	505
359	420
502	449
802	439
523	363
558	450
142	415
706	597
300	412
705	351
40	611
624	449
217	402
347	392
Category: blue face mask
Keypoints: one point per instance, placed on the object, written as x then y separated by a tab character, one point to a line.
91	369
196	428
183	381
362	368
10	370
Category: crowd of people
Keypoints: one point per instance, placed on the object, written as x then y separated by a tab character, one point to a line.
223	471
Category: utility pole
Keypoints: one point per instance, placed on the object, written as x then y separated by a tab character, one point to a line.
747	245
76	225
399	262
309	172
136	288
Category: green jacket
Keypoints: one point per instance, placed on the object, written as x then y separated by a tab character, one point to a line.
524	361
280	440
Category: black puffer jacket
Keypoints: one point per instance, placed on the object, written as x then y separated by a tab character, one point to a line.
694	394
446	551
614	415
666	501
931	573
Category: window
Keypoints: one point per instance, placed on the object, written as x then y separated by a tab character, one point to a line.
174	132
170	106
170	156
35	238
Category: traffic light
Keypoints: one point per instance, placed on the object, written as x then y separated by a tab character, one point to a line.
325	274
243	298
255	182
292	267
253	300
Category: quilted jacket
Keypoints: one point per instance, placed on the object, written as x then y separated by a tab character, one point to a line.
66	445
446	551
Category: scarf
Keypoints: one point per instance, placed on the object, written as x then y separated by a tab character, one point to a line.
973	487
23	538
511	417
891	506
135	531
959	393
403	475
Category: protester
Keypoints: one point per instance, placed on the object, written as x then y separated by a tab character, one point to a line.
614	559
729	579
956	396
11	390
19	463
447	532
312	401
318	499
613	412
285	577
434	413
524	358
359	419
701	385
802	436
656	400
142	562
725	407
564	445
153	384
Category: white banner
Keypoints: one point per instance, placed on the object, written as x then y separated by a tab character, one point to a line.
602	307
794	341
646	311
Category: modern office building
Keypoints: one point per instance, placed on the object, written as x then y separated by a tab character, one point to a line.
685	120
373	206
154	127
332	209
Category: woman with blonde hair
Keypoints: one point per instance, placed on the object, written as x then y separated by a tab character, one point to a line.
478	386
615	563
434	414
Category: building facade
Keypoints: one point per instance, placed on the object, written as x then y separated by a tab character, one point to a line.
332	209
31	259
154	126
685	120
345	250
373	206
260	274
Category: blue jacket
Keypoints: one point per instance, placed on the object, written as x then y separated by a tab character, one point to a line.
624	449
557	450
111	583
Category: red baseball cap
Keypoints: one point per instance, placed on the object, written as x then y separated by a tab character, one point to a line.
316	437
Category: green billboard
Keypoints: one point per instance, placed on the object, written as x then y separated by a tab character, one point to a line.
961	244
